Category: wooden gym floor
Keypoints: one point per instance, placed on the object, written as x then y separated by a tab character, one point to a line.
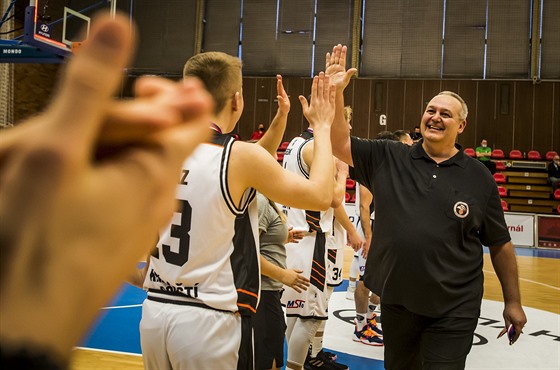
539	283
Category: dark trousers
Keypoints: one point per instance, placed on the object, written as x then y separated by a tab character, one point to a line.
416	342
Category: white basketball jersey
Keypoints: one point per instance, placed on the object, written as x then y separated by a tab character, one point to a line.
301	219
208	255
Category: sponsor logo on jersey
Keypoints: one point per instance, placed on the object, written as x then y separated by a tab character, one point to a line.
298	303
189	291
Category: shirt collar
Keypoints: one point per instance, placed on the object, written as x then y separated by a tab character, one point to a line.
460	159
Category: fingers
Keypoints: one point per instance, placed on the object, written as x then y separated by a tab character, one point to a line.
279	86
164	103
146	86
304	103
91	77
349	73
300	283
335	56
342	55
156	158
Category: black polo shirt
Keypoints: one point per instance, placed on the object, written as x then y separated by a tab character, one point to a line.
431	221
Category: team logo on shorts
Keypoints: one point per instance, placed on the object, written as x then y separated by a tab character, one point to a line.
461	209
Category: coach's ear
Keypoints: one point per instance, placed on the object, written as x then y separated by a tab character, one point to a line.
462	126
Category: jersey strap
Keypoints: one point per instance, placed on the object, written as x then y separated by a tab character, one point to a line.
245	266
318	270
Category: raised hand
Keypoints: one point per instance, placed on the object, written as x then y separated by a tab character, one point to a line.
335	67
79	221
320	111
283	100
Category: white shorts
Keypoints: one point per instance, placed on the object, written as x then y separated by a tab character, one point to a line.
358	254
361	261
335	261
188	337
304	304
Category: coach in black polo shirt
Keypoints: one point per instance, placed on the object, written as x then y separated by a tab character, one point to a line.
435	208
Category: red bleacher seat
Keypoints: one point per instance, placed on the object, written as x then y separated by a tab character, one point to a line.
500	166
470	152
284	145
500	178
353	198
505	206
550	154
347	196
350	184
557	194
534	155
497	154
279	156
515	154
502	191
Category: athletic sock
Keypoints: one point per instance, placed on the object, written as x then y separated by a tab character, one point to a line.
370	311
360	321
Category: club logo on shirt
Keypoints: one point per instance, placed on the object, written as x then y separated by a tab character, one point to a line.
461	209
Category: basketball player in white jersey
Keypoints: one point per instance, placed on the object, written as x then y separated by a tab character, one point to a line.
365	325
306	310
203	280
343	233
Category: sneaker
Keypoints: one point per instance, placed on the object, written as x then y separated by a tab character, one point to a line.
372	324
327	358
350	293
330	355
367	336
322	362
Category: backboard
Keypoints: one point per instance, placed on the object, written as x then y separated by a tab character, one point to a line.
60	25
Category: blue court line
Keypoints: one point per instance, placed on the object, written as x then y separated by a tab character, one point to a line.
534	252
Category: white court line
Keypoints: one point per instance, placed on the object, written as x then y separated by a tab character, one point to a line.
528	281
115	307
109	351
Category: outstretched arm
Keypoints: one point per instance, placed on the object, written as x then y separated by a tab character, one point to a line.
505	265
250	168
340	77
273	136
58	199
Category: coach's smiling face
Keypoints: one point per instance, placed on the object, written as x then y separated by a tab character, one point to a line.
441	122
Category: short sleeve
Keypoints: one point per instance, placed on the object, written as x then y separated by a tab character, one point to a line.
266	213
494	231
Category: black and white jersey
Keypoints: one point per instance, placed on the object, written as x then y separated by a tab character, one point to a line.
301	219
208	255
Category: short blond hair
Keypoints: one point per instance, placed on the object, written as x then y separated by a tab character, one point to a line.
347	112
220	73
464	109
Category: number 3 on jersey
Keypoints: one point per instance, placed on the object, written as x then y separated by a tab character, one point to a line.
180	232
